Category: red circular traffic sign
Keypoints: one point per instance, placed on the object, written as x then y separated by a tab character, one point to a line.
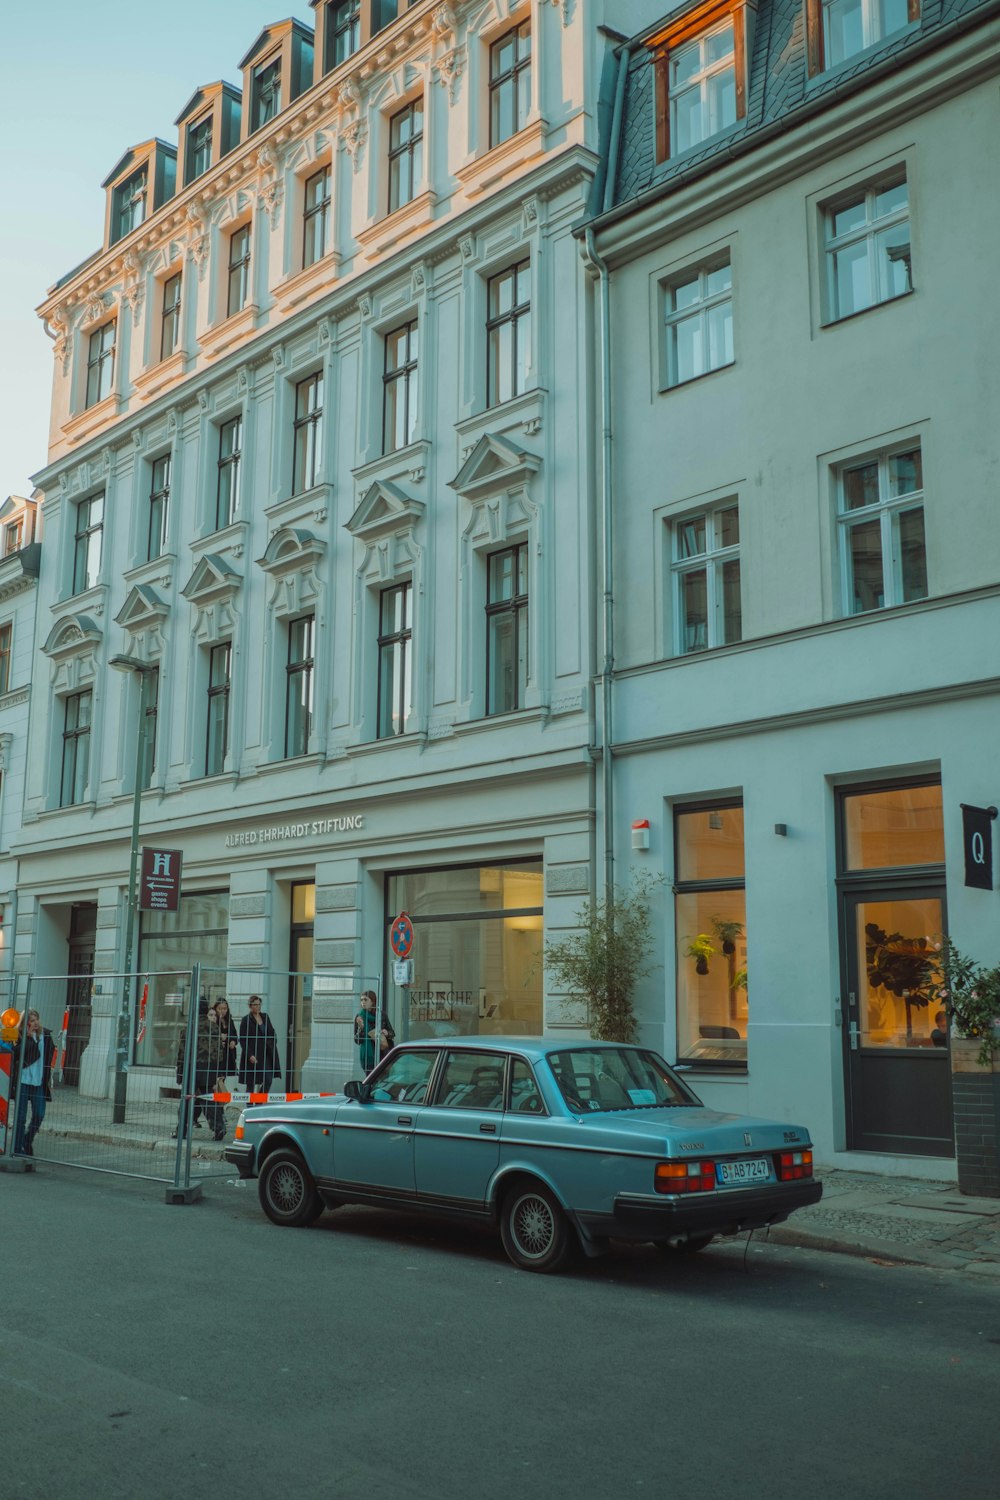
401	936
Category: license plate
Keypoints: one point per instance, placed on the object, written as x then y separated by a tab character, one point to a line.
739	1173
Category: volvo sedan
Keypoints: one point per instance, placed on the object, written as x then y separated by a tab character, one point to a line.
559	1144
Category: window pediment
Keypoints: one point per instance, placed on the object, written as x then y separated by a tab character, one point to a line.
213	579
76	635
291	550
384	510
494	465
143	608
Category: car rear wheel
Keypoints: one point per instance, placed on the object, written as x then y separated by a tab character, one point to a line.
287	1192
534	1230
685	1245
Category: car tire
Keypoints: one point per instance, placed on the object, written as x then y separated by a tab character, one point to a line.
533	1228
688	1245
287	1192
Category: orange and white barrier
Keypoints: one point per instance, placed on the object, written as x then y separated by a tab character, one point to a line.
226	1098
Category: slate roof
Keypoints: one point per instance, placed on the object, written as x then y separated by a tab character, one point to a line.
778	84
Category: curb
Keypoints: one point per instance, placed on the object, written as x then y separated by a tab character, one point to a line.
871	1249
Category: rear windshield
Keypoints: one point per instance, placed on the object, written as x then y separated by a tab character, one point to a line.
610	1078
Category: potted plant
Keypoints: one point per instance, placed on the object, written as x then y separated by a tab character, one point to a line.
970	996
701	950
603	960
903	966
728	933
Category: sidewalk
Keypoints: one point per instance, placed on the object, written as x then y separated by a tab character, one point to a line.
899	1219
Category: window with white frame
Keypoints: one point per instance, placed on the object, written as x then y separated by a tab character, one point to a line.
100	363
508	333
265	99
129	204
507	629
170	326
394	660
77	714
299	686
316	217
159	503
406	153
702	87
867	247
698	321
399	386
881	525
13	536
199	148
88	543
308	434
849	26
705	568
227	495
217	712
510	83
343	32
238	283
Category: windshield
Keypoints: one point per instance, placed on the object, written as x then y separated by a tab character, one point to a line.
609	1078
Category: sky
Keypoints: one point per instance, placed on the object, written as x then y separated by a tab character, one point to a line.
82	83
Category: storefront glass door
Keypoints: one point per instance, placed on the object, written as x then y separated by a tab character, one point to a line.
300	962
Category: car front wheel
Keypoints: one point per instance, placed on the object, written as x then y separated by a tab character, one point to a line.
287	1192
534	1230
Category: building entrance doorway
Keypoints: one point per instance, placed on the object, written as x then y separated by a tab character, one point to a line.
300	989
82	941
892	898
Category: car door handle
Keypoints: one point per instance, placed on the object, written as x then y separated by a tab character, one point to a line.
404	1119
488	1129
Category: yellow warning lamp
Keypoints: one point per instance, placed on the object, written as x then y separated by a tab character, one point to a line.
9	1023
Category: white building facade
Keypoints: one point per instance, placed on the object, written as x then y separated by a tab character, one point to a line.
807	572
319	479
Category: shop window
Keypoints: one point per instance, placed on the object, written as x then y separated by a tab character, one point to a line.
710	924
170	944
893	827
477	951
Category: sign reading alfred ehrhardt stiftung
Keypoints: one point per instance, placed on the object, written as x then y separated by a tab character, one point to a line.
277	833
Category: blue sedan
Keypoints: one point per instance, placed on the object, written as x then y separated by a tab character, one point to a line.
560	1144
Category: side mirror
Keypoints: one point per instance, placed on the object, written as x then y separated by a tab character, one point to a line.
360	1091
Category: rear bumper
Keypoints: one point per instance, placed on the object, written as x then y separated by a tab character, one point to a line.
241	1154
645	1216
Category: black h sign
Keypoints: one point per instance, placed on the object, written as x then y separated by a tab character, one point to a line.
977	837
160	882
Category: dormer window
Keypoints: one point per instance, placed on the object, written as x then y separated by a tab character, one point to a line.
839	29
701	82
13	537
343	32
199	148
384	12
130	204
266	93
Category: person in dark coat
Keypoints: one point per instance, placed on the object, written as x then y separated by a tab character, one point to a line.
372	1046
227	1027
258	1050
30	1079
210	1047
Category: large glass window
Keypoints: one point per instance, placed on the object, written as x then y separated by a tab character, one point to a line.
893	827
507	629
217	720
227	501
698	321
708	607
159	503
316	217
100	363
508	333
406	153
477	950
308	456
299	686
239	270
868	247
710	923
510	83
881	522
170	944
394	663
89	539
76	748
399	418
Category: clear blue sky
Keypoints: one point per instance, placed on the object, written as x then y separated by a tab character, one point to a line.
82	83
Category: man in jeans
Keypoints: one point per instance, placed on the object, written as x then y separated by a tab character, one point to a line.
34	1085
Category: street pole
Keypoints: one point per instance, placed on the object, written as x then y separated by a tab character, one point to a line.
124	1015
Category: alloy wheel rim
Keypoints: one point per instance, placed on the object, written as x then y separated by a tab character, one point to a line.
286	1189
533	1226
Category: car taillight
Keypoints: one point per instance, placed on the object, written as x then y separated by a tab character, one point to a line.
792	1164
684	1176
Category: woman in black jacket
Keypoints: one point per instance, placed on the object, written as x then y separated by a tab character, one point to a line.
258	1050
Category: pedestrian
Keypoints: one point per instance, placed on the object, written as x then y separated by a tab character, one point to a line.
227	1027
30	1079
206	1079
371	1046
258	1050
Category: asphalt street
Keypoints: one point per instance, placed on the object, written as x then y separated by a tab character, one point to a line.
153	1351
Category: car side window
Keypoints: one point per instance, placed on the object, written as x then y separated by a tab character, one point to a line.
471	1080
525	1098
405	1078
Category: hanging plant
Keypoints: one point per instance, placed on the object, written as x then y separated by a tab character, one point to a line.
701	950
728	933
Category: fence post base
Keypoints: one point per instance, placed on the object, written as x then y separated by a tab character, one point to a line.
189	1194
16	1164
